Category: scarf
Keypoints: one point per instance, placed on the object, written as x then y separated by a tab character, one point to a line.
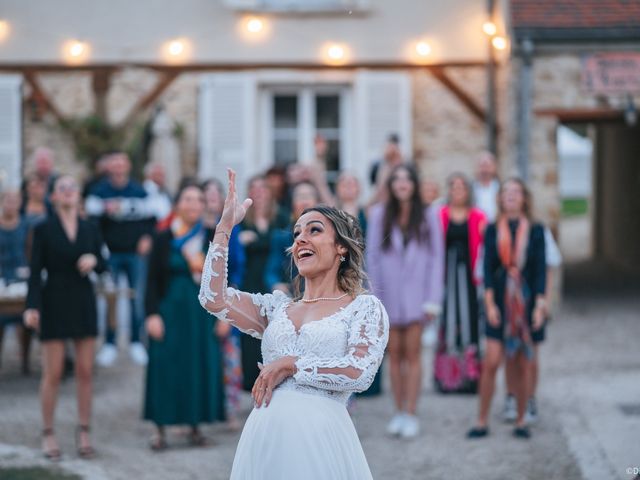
189	241
513	256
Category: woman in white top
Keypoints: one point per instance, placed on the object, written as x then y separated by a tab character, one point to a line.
318	348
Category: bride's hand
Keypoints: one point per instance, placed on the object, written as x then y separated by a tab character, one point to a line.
233	212
270	377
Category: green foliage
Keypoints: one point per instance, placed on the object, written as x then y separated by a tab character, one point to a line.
36	473
93	136
574	207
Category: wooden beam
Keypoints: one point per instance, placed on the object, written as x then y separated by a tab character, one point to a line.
39	94
220	67
152	96
582	115
466	99
100	82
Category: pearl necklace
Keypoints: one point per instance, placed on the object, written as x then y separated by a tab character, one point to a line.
313	300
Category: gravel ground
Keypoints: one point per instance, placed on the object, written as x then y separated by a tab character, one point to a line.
563	444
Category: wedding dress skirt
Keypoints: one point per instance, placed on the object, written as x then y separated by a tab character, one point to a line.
300	436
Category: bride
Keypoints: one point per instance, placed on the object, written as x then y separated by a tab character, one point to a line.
318	348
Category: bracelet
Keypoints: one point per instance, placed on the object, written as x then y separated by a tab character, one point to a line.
223	232
541	303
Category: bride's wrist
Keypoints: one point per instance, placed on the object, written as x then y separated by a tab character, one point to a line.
223	230
292	366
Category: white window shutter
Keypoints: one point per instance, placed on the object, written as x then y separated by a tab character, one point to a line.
226	127
383	106
10	130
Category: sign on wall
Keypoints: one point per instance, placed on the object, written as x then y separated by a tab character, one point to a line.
611	73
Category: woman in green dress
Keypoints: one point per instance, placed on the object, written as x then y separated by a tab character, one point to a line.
184	375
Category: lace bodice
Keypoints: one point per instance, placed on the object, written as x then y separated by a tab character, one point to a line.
337	355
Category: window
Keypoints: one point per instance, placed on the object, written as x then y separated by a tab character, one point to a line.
296	115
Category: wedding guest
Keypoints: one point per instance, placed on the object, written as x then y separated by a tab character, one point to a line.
184	384
514	280
405	257
262	220
457	362
63	307
14	232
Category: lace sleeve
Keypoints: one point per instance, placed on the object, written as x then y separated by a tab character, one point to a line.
246	311
368	336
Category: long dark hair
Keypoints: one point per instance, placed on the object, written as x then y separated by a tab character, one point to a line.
417	227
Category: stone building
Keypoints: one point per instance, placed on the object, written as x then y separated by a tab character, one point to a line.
251	82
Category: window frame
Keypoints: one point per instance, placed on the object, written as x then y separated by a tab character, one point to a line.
306	124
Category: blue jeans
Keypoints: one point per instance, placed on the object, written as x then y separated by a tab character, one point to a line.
134	267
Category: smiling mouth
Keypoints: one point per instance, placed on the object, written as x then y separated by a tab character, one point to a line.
304	254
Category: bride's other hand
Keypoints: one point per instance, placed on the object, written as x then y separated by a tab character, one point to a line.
270	377
233	212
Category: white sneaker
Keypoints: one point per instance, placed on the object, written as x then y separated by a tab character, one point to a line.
138	354
430	336
410	427
395	425
531	415
107	355
510	412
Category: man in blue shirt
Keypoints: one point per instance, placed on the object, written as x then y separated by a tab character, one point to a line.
119	205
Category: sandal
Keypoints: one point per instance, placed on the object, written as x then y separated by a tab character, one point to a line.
522	432
196	439
53	455
86	453
158	444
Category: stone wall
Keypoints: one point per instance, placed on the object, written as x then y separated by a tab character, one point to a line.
72	95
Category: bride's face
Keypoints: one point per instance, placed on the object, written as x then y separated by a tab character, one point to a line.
314	247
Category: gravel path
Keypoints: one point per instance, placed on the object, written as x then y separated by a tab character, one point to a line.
562	446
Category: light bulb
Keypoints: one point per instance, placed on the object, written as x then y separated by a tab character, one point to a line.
489	28
423	49
335	52
76	49
499	43
176	47
4	29
254	25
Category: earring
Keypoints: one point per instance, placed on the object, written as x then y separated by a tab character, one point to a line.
342	258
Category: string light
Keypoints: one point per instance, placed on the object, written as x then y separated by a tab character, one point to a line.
423	49
255	25
175	47
499	43
253	29
4	30
176	50
335	52
75	51
489	28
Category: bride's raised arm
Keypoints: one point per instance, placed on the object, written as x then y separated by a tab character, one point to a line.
247	312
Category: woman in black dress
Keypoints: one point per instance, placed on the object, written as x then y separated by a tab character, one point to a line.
63	307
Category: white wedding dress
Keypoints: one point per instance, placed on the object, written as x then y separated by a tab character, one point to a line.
306	431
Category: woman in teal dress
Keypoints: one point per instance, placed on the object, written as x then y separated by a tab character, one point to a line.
184	375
